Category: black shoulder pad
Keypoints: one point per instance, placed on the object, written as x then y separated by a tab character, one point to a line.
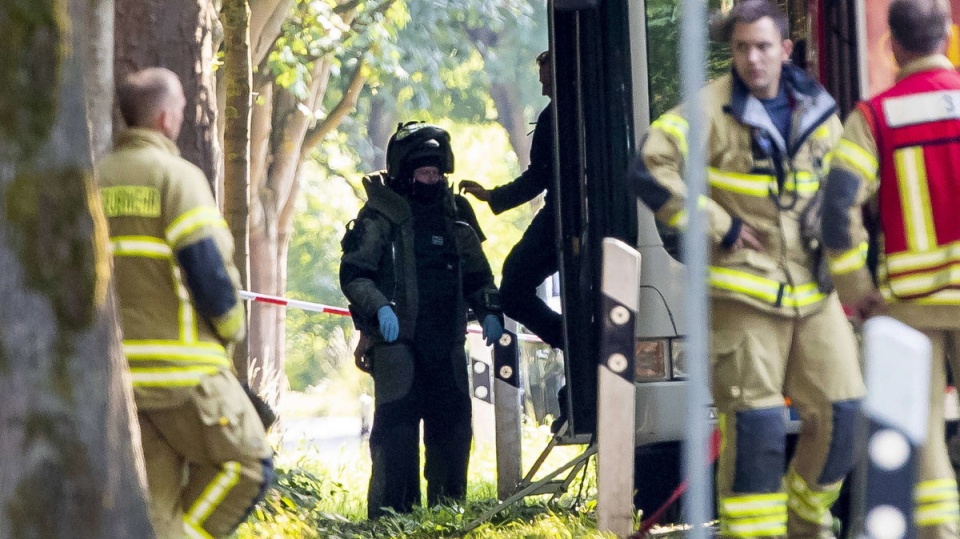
353	235
466	214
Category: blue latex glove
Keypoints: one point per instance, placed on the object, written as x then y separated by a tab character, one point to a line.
492	330
389	324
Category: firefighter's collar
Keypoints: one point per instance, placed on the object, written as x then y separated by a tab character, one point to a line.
927	63
141	136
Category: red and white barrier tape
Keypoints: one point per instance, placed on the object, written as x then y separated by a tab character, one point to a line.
299	304
340	311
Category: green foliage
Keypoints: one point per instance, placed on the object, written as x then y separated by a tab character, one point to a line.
663	48
316	343
319	30
454	51
324	497
441	59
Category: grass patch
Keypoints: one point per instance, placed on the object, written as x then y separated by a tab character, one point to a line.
324	496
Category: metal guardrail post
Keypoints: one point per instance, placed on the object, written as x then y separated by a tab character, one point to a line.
507	400
616	391
898	364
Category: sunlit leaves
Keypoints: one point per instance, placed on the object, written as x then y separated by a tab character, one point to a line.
324	29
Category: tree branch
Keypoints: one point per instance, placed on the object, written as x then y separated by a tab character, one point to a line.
347	103
266	21
348	6
262	73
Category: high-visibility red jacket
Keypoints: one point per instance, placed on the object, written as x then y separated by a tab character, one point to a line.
900	151
916	126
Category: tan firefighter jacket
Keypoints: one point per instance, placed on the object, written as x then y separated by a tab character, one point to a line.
754	177
173	260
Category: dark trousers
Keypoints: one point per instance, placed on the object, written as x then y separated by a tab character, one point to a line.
532	259
418	383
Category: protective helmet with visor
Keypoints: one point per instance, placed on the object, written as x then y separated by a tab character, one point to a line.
415	145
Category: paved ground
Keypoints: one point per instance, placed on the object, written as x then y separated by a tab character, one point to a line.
326	435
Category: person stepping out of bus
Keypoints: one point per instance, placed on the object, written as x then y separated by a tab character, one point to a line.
533	258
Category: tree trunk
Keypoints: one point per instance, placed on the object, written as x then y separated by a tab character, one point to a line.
275	181
69	464
283	134
176	34
273	186
510	115
235	15
98	77
381	125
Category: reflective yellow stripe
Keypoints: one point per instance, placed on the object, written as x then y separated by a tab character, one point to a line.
925	272
230	323
821	132
139	349
912	261
803	182
722	426
145	246
185	314
936	490
755	527
761	185
754	515
758	185
763	288
195	532
923	283
858	158
915	198
849	261
214	494
756	504
191	221
170	376
933	515
675	126
937	502
808	504
168	344
942	297
679	219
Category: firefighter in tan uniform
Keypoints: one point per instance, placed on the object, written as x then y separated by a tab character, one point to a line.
899	157
206	453
775	331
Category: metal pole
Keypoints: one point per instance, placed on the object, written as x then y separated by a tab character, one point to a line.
695	454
